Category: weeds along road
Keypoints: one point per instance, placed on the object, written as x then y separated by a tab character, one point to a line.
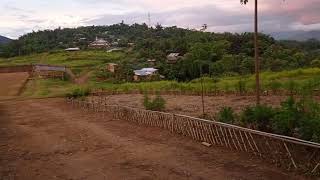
47	139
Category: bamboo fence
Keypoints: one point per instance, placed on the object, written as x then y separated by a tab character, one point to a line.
286	152
196	93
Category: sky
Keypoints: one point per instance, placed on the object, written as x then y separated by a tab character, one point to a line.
18	17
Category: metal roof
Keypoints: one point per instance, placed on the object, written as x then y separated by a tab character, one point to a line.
40	67
145	71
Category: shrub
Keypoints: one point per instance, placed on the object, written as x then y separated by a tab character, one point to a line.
274	86
241	87
157	104
286	119
309	124
79	92
258	117
226	115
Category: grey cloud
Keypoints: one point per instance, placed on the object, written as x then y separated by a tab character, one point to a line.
216	18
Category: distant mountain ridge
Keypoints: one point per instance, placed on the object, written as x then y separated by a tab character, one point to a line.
4	40
296	35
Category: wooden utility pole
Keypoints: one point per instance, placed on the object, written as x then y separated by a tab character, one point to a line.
202	93
256	49
256	53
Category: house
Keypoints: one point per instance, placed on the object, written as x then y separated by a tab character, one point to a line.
49	71
99	44
115	50
145	74
131	44
112	67
152	62
72	49
173	58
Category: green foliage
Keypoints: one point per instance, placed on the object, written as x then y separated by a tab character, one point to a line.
157	104
309	124
241	86
274	86
78	92
258	117
215	54
226	115
286	118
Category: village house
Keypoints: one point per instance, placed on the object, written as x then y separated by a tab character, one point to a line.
173	58
145	74
99	44
152	62
49	71
112	67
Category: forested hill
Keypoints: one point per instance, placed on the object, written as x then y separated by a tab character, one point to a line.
4	40
210	53
297	35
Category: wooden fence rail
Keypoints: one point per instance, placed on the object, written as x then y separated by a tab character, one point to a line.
286	152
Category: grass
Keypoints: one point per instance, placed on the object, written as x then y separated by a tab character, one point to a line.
70	59
85	61
300	77
44	88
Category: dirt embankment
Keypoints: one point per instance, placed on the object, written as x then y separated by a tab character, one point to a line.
12	83
47	139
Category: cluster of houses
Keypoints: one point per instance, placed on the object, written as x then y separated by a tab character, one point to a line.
100	43
150	73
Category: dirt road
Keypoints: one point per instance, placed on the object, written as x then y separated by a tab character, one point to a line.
47	139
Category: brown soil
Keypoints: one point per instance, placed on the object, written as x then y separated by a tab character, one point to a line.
11	83
192	105
47	139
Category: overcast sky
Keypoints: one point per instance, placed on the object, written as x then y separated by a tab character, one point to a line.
21	16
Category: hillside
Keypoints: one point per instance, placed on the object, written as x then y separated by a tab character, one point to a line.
296	35
202	53
4	40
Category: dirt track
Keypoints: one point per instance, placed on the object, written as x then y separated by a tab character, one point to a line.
47	139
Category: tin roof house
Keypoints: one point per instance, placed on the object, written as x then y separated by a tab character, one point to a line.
145	74
173	58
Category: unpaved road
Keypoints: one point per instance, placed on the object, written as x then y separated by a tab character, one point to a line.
47	139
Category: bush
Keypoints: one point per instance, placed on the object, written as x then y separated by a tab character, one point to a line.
258	117
274	86
309	124
157	104
241	87
226	115
286	119
79	92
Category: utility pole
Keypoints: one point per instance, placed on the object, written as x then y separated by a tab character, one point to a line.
149	19
256	53
256	49
202	93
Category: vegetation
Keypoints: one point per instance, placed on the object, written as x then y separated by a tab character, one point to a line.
157	104
213	54
79	92
300	119
226	115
